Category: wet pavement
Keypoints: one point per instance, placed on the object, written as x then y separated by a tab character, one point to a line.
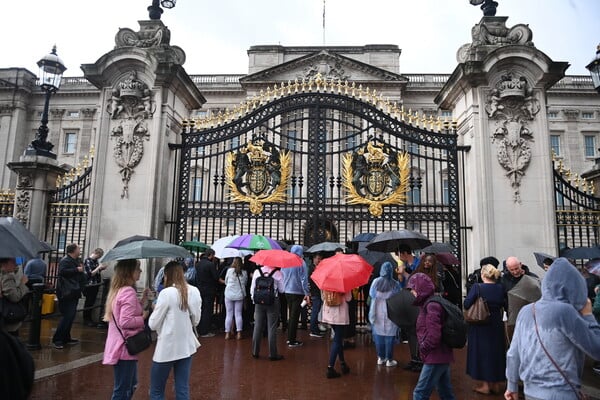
225	370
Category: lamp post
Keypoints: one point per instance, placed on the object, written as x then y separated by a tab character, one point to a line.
487	6
594	68
155	11
51	70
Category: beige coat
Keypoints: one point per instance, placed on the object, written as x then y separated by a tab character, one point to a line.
337	315
13	290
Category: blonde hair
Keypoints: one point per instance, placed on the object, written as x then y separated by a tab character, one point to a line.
237	265
174	277
490	272
123	277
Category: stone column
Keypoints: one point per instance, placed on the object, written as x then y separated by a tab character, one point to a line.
145	93
498	94
36	178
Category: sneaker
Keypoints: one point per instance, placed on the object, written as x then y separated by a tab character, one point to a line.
391	363
209	334
322	328
276	358
409	366
417	367
596	369
295	343
72	341
58	346
381	361
317	334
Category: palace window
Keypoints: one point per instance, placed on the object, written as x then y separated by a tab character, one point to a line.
70	142
555	144
73	114
587	115
292	135
445	192
446	113
553	114
197	189
590	145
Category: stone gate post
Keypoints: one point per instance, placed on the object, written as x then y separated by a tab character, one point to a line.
498	94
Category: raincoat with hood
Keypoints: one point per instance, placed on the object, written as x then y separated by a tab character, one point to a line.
382	289
566	334
295	280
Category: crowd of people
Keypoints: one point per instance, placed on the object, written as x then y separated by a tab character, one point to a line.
541	340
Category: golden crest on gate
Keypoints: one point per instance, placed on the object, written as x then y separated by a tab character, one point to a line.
257	174
376	175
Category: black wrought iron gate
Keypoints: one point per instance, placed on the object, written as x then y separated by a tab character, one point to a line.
317	160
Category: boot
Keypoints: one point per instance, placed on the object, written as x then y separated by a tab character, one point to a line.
227	335
332	373
345	368
239	336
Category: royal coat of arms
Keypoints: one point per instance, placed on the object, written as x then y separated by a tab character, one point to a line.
257	174
376	175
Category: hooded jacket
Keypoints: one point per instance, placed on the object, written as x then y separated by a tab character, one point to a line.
295	280
429	322
382	289
564	332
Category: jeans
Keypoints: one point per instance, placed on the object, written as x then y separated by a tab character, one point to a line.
125	379
337	346
316	304
233	309
384	346
266	316
293	301
208	306
68	310
160	372
434	376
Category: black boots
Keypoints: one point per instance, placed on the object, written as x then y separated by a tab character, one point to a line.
332	373
345	368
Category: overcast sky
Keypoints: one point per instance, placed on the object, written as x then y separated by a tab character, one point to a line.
216	34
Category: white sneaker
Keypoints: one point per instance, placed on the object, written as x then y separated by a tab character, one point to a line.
381	361
391	363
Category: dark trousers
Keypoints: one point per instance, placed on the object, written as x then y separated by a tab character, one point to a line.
208	305
90	293
293	302
68	310
266	317
337	346
413	344
350	330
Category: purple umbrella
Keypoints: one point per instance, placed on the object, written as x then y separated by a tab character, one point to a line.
254	242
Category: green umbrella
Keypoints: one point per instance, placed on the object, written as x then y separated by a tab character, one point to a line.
194	245
145	249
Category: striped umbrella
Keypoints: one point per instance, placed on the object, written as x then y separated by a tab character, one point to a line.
253	242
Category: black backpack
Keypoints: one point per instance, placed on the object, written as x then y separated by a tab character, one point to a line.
264	288
454	328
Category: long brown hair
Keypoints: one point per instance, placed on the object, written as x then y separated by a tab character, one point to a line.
430	272
237	265
174	277
123	277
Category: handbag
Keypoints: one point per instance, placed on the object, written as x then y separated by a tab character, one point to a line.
245	300
12	312
137	343
478	313
579	393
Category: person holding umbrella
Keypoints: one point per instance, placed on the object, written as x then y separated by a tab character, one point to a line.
384	330
295	283
339	318
13	286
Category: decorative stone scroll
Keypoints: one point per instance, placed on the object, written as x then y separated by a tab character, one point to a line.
23	198
512	105
326	70
130	106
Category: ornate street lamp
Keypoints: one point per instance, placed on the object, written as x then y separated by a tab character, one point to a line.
155	11
487	6
594	68
51	70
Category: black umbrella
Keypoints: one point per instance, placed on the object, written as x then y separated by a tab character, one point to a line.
581	253
540	257
17	241
363	237
390	240
376	259
134	238
401	310
437	247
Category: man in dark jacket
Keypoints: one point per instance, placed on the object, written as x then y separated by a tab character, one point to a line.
207	281
68	291
435	354
513	273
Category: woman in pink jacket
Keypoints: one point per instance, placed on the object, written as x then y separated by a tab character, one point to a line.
338	317
125	310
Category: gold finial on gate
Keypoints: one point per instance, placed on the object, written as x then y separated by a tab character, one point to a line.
58	181
303	85
353	89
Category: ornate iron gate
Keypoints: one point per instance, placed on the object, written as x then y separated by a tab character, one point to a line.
317	160
577	210
67	213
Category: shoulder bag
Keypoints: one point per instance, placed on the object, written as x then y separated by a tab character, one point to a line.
137	343
579	393
478	313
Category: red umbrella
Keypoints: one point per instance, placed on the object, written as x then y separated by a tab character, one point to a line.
342	273
276	258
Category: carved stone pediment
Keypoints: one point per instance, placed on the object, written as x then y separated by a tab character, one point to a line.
571	114
330	65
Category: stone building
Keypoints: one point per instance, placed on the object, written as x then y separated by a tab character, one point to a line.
504	94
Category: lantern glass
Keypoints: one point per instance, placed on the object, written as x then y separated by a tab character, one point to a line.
168	3
51	71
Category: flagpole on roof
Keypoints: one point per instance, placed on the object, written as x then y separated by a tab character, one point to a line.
323	22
